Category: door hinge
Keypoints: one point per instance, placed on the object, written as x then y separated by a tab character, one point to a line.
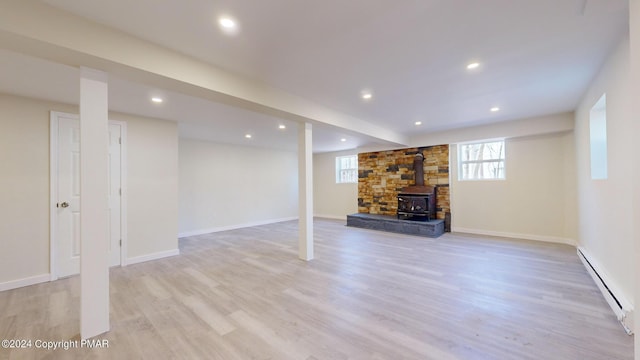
121	242
120	141
120	191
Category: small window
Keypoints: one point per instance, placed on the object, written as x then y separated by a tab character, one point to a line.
481	161
598	139
347	169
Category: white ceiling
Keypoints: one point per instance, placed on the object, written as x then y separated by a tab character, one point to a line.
537	57
197	118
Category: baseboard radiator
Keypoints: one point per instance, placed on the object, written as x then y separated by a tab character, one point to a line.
620	306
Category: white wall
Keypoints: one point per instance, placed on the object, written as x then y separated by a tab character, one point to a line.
152	181
605	206
536	199
634	30
332	200
24	187
227	186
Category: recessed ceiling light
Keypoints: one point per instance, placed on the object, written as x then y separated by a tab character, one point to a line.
418	123
156	100
248	136
366	94
228	25
281	127
495	109
343	139
473	65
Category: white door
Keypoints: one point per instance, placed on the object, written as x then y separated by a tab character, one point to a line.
68	203
67	235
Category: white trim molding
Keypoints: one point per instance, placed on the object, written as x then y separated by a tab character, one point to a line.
611	292
543	238
53	190
153	256
233	227
14	284
123	191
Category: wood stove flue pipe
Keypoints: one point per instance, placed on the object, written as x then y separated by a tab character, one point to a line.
418	168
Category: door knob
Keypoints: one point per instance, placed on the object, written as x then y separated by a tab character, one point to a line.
64	205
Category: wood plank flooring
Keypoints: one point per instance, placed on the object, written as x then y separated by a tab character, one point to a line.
243	294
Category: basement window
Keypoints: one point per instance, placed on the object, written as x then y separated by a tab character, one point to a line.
481	161
598	139
347	169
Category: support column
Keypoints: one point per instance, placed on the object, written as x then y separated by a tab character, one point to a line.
94	149
305	190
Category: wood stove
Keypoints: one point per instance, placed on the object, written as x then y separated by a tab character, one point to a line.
417	200
422	205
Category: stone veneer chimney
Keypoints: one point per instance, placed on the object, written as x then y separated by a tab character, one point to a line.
384	174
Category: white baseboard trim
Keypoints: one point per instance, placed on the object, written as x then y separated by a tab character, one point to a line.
14	284
233	227
616	299
332	217
544	238
153	256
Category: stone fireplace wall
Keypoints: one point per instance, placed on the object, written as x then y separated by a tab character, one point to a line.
382	174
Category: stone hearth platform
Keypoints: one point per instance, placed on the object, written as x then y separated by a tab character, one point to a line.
433	228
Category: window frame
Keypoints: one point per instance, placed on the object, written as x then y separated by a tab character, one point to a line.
502	160
354	170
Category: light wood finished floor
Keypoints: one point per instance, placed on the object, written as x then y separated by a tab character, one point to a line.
243	294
